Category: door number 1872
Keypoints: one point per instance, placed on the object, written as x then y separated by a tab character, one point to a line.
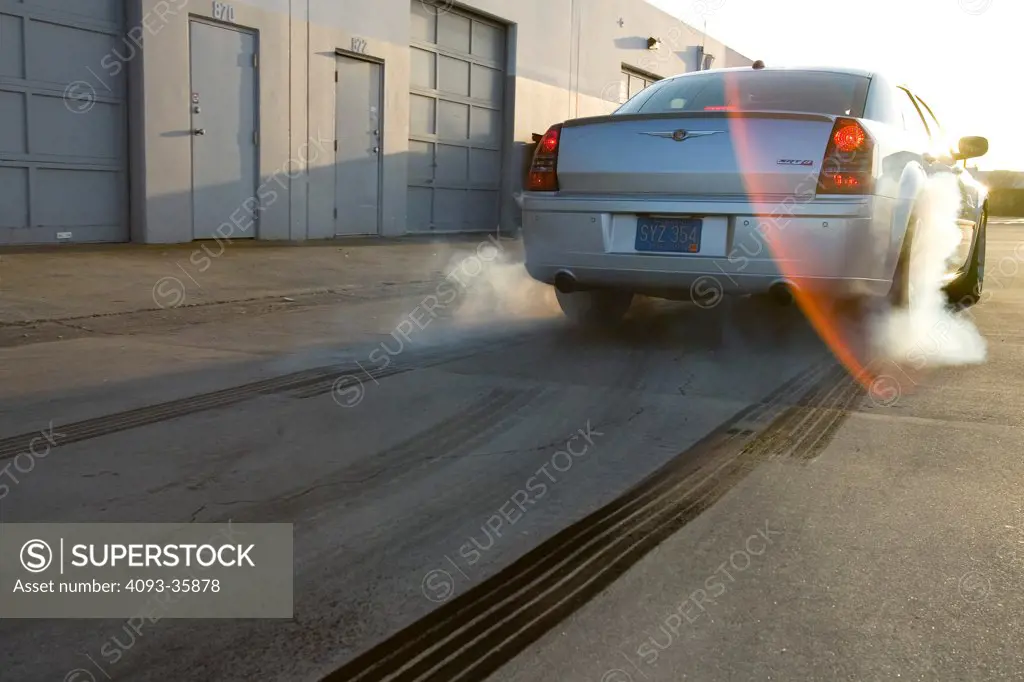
223	11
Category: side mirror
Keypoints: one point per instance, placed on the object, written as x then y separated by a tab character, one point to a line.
972	147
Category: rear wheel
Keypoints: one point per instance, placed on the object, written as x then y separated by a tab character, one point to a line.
596	309
965	290
900	293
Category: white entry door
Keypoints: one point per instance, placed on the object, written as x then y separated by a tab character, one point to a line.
224	140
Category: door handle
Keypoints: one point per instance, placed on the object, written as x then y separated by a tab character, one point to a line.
376	150
199	131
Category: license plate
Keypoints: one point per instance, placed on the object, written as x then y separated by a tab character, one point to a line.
668	235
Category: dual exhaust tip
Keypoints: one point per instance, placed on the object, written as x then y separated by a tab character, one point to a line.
781	291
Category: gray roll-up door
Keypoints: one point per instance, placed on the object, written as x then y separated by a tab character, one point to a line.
457	83
62	121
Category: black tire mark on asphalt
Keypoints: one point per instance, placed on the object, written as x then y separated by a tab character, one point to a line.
479	631
320	379
807	428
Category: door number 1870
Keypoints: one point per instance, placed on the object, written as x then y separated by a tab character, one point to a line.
223	11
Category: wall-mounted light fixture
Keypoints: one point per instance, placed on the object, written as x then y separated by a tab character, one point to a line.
653	43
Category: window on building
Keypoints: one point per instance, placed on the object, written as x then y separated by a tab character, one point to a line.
635	81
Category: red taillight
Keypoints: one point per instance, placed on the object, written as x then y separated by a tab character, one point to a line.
849	138
549	143
848	167
543	175
724	107
847	181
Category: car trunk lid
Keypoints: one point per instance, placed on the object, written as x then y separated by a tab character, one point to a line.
698	154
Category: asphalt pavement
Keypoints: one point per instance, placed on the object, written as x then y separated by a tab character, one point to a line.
702	495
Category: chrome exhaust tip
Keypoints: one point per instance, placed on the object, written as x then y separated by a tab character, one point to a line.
565	282
782	293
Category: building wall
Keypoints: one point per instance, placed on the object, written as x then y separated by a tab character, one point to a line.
564	60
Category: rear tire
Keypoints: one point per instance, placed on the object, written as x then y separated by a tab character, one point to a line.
899	293
965	291
595	309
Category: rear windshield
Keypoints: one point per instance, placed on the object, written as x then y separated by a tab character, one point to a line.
835	94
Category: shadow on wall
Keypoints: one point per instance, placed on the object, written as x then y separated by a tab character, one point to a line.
631	43
443	195
435	204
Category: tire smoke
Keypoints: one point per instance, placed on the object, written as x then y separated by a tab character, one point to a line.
928	333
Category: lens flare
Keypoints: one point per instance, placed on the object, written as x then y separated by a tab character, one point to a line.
790	254
922	335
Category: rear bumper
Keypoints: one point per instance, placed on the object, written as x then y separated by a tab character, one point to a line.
837	246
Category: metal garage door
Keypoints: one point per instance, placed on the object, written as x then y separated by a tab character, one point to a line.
62	121
456	87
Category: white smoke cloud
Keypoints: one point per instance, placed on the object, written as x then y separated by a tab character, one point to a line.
928	333
483	290
502	291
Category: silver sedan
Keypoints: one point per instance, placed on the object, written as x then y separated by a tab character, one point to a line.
760	180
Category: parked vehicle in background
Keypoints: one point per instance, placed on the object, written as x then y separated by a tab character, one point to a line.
684	180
